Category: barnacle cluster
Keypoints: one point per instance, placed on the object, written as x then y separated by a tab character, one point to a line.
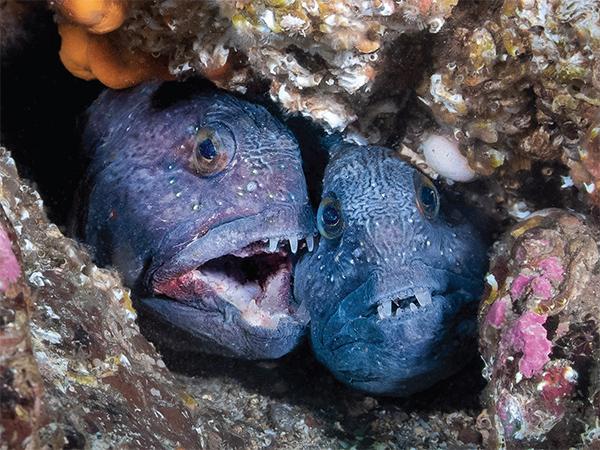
521	82
319	57
540	332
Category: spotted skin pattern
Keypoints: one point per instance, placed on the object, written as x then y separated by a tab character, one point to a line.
392	300
154	217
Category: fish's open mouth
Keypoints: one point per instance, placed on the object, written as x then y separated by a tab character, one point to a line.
256	280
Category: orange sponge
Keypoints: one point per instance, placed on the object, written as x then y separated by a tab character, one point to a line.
98	16
90	56
74	50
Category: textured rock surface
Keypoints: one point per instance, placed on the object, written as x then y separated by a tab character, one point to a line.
319	58
540	334
103	383
514	82
518	81
20	381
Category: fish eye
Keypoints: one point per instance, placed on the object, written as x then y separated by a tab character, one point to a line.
209	155
428	198
330	221
206	149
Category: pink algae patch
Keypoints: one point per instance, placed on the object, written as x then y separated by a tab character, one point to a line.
553	269
9	266
542	287
518	285
497	313
528	336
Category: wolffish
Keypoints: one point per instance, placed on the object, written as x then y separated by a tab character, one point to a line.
198	198
392	287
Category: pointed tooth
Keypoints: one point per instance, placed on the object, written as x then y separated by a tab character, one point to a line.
385	310
413	307
310	242
423	297
294	244
273	244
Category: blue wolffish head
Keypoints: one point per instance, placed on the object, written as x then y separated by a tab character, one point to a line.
198	198
392	287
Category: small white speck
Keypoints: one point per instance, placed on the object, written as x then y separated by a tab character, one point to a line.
28	247
567	182
491	280
123	359
570	374
251	186
50	312
178	194
37	279
46	335
155	392
589	187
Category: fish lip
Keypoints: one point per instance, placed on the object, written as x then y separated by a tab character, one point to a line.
253	231
266	334
257	344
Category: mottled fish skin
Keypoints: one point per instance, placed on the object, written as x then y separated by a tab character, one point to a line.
359	286
156	213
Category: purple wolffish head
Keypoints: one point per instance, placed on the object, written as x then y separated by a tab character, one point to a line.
198	198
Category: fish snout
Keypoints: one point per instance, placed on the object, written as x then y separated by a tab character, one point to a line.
395	337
